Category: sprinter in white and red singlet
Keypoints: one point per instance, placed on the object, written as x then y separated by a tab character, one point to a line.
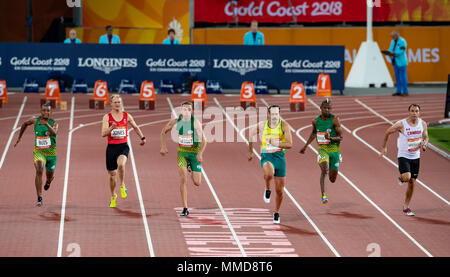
413	136
115	127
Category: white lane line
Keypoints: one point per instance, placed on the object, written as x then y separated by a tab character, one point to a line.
71	130
66	179
430	145
364	195
303	117
11	135
141	202
349	104
368	199
285	189
357	189
384	156
389	160
236	238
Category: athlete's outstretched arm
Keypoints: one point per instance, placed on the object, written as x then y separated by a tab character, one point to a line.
164	131
337	127
137	129
106	129
252	138
425	138
23	128
203	142
394	128
312	136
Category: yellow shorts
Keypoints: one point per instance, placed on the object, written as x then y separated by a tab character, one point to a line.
48	161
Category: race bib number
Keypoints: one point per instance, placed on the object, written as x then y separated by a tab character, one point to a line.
414	144
119	133
43	142
185	141
321	140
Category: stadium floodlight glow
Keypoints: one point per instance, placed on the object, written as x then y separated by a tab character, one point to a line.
369	68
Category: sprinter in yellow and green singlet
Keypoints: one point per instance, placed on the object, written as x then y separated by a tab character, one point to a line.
44	155
275	139
191	145
326	129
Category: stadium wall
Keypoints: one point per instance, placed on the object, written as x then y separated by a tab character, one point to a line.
428	51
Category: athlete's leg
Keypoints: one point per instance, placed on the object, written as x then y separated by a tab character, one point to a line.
50	167
333	175
414	165
121	161
323	176
182	172
39	166
269	171
405	177
112	181
333	170
197	178
409	191
279	187
50	176
404	167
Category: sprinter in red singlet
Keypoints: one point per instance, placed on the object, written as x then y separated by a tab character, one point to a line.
115	127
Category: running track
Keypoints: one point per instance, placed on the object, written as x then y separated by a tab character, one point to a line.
228	217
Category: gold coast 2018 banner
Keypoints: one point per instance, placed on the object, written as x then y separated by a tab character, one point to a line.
135	21
282	11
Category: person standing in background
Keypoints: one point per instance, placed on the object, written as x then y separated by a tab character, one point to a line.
72	37
254	37
171	40
109	37
400	62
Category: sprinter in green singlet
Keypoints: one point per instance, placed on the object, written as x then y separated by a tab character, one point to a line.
44	155
275	139
326	129
191	145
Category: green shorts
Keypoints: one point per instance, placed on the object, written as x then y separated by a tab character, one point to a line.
48	161
332	158
278	162
184	159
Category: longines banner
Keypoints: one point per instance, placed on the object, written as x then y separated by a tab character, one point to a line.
284	11
231	65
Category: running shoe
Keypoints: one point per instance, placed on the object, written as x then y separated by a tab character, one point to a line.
400	181
407	211
46	186
112	202
185	212
267	195
123	191
324	199
276	218
39	202
189	167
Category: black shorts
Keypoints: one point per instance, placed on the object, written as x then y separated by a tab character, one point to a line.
407	165
113	151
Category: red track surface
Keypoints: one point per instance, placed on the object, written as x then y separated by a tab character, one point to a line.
363	210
